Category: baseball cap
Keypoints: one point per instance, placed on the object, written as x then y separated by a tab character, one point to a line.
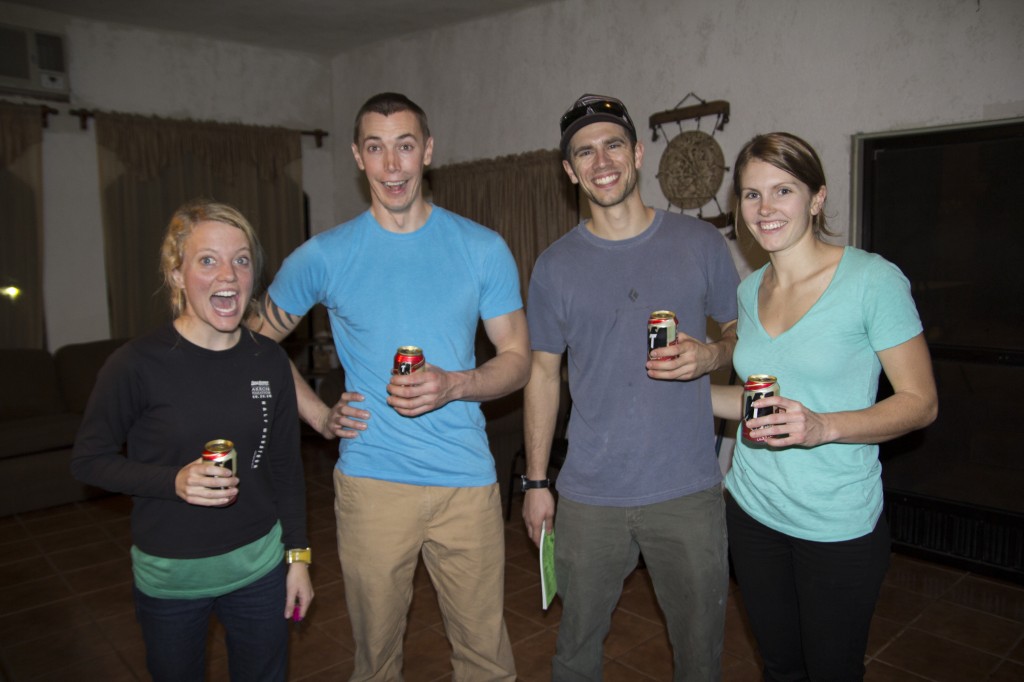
593	109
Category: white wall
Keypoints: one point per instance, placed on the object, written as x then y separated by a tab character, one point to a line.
823	69
128	70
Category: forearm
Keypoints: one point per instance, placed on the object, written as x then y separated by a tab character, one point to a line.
723	348
507	371
312	410
727	402
504	373
913	405
540	413
891	418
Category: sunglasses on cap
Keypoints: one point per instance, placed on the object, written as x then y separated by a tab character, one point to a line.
589	105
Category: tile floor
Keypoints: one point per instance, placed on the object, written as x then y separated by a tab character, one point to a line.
66	611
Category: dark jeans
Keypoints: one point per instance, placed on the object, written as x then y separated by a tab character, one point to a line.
253	619
684	547
809	603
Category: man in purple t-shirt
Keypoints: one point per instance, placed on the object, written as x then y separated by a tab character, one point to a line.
641	474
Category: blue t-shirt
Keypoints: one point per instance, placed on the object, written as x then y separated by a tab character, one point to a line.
828	361
633	440
382	290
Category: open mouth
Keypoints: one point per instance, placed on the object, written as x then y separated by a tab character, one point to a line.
225	302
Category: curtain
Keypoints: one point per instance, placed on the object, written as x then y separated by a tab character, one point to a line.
150	166
526	198
21	235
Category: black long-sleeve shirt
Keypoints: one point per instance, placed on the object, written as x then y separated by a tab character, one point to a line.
166	398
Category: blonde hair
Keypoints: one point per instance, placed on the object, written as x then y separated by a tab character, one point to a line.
183	222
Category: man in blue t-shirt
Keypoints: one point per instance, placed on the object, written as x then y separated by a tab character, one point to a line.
640	475
415	474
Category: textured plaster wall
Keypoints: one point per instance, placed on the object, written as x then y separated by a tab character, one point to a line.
129	70
823	69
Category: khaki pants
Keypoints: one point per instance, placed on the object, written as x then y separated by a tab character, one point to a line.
382	528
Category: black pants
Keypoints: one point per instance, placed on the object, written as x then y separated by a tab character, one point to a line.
809	603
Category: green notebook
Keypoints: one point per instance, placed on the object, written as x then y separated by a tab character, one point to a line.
548	584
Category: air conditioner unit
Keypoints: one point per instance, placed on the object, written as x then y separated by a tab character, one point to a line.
33	63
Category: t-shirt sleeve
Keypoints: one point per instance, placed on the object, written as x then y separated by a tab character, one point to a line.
722	279
500	294
299	284
890	314
546	331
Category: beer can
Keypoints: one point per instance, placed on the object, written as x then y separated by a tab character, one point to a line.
758	386
661	330
222	453
408	359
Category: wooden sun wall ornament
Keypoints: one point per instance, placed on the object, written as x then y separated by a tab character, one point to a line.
692	166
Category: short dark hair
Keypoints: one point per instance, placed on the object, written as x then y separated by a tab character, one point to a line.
387	103
789	153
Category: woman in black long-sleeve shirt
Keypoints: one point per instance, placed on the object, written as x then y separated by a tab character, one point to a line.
198	547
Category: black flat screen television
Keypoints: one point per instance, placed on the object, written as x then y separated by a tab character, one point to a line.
947	206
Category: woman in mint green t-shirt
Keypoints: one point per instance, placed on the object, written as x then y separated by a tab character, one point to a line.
809	544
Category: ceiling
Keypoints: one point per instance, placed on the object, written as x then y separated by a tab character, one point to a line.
322	27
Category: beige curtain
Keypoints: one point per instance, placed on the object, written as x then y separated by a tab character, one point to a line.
526	198
150	166
21	230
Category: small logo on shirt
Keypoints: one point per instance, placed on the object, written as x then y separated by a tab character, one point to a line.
633	295
261	390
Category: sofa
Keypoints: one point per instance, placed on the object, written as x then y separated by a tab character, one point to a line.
42	398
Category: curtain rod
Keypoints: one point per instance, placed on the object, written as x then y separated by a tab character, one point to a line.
44	111
85	114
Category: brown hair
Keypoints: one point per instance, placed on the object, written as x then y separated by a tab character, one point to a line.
184	220
387	103
789	153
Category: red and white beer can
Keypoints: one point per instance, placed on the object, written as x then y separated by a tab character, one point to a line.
222	453
758	386
408	359
661	330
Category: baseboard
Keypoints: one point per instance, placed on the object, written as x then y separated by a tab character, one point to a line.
983	540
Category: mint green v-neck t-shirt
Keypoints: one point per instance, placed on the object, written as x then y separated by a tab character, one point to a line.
827	361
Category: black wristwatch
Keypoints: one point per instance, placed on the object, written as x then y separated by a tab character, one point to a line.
529	484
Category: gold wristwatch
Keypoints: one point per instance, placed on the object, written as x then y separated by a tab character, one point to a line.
303	555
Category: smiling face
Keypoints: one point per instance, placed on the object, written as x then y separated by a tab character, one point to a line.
393	153
604	163
216	275
777	207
